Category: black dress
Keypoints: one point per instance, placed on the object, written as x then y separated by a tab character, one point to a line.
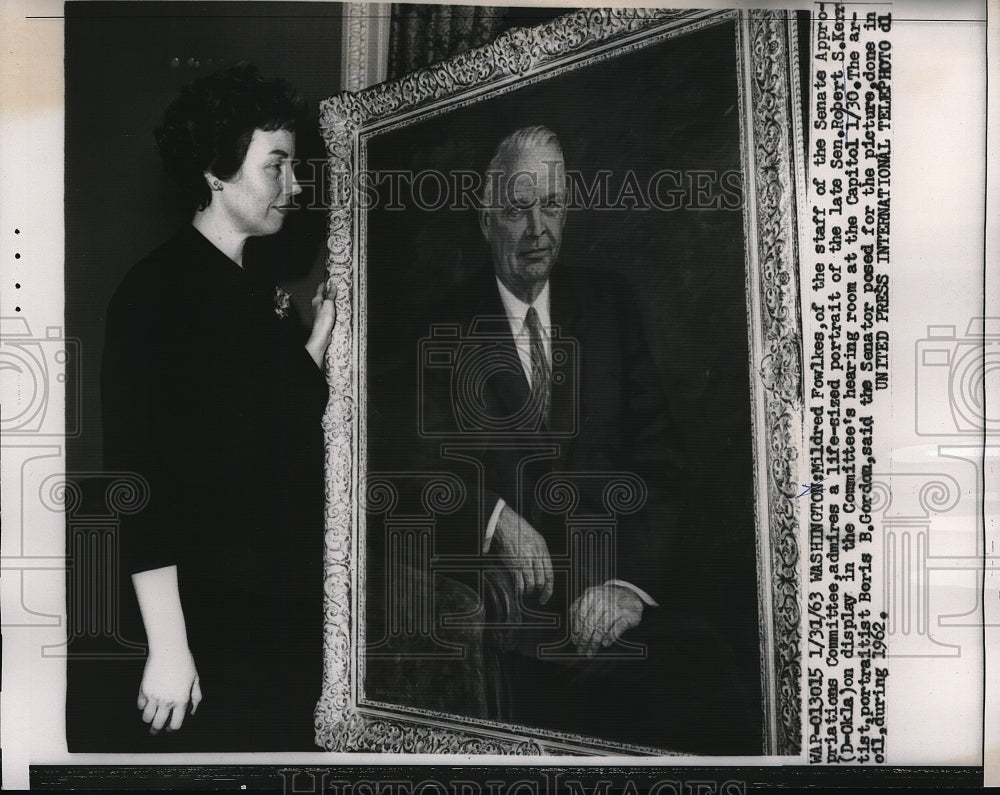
212	397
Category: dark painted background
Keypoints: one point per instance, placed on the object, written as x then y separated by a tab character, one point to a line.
669	106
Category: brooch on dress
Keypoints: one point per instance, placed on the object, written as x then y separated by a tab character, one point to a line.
282	301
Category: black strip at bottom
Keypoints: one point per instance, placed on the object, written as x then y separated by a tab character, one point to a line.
501	780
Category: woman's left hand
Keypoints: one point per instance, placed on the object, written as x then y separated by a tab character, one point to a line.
324	318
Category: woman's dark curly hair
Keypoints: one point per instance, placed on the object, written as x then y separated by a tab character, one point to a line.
209	126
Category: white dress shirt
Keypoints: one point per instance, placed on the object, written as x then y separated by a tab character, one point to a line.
516	311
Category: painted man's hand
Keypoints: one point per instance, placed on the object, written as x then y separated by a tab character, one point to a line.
601	615
525	553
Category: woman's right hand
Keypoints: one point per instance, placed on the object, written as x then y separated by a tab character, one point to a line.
169	686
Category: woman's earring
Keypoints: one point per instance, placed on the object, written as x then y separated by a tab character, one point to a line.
216	185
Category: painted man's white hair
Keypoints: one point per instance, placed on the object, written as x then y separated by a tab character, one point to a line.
506	153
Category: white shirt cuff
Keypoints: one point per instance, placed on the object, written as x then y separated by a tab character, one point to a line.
646	598
491	525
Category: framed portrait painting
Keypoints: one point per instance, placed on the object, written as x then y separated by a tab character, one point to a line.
564	441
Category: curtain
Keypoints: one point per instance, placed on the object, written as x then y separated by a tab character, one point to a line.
420	35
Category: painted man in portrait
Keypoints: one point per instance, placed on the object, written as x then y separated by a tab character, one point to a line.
537	388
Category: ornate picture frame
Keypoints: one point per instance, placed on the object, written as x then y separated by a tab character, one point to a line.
770	142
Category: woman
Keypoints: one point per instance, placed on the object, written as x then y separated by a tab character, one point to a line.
214	394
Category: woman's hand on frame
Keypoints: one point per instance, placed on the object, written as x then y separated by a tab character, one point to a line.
324	318
169	687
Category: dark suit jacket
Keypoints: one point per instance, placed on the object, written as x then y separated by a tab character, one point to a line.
609	417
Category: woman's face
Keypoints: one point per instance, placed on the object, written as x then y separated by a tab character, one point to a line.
259	195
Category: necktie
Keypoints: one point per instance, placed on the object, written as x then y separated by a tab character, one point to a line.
541	375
